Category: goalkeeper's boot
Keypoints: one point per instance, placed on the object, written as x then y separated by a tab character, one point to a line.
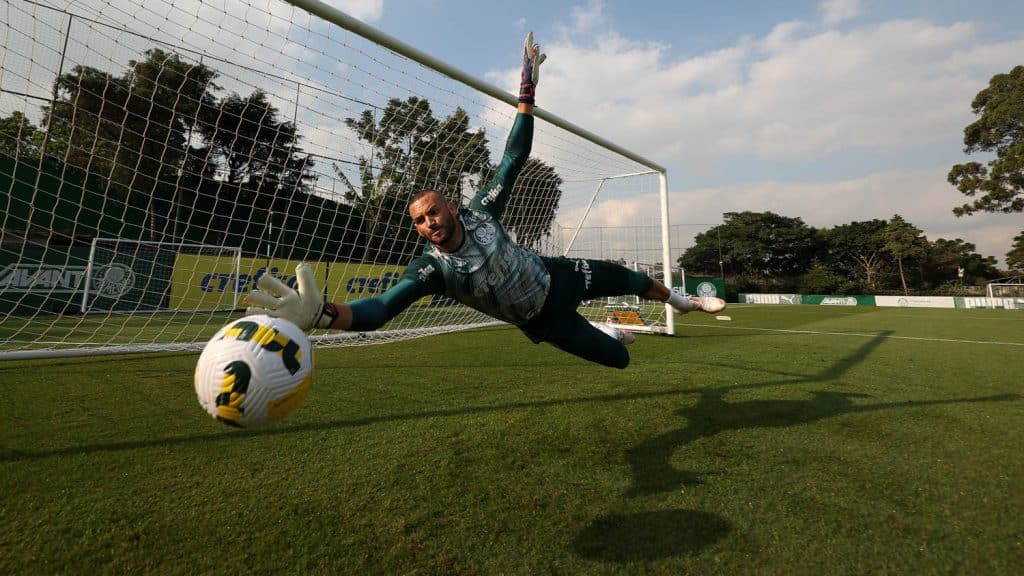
709	304
624	336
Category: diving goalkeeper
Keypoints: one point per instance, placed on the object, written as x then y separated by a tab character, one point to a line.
471	258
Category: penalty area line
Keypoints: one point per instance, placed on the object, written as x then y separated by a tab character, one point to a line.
859	334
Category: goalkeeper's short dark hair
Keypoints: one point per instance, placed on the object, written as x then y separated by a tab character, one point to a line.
420	194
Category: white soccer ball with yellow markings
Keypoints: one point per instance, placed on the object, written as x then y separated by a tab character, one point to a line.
255	371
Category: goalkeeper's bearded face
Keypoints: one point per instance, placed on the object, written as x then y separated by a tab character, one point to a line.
435	219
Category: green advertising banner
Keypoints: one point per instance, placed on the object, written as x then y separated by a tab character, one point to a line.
703	286
42	280
1003	303
53	280
833	300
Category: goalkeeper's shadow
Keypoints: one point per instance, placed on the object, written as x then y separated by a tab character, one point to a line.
226	434
651	461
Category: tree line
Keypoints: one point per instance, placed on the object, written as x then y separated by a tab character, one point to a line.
768	252
186	163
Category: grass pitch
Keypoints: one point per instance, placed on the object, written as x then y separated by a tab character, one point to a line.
791	440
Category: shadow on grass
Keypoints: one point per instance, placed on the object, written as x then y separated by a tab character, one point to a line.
647	536
650	461
231	434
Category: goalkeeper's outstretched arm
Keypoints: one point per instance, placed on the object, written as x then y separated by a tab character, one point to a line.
304	306
493	197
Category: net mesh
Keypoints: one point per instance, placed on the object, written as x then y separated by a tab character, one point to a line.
263	132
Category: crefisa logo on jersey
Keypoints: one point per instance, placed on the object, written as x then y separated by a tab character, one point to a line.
425	272
705	289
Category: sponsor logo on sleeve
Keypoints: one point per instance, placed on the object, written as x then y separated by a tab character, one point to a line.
491	196
425	272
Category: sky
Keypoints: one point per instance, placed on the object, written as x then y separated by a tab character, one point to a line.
830	111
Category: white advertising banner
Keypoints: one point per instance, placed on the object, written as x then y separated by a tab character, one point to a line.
770	298
916	301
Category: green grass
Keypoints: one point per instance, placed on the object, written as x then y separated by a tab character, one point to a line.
792	440
168	328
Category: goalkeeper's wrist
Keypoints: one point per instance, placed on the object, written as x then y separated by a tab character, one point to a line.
328	315
527	93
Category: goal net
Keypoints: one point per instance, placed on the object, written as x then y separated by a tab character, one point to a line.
156	158
1012	287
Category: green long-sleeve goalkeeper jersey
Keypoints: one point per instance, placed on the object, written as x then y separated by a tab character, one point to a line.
489	271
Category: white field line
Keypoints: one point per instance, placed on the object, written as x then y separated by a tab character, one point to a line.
860	334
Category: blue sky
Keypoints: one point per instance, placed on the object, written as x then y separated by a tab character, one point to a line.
832	110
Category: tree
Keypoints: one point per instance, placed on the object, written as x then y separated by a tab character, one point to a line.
413	151
1015	257
85	123
533	203
858	249
703	257
819	279
132	129
903	241
1000	129
18	137
945	257
771	248
253	165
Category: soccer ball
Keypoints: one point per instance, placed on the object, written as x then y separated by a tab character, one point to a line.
254	371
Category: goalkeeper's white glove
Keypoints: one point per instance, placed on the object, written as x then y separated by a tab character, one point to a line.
303	307
532	59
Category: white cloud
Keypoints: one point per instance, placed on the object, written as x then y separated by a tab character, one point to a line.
795	94
365	10
802	92
838	11
586	18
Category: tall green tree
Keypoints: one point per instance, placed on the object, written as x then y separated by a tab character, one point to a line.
946	257
903	241
132	130
412	150
533	203
999	185
18	136
770	248
1015	257
253	168
858	250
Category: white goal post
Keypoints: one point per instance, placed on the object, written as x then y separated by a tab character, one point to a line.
1010	287
156	159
